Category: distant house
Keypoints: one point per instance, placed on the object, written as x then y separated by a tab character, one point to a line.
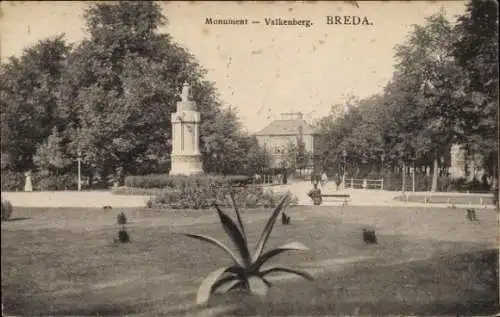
277	136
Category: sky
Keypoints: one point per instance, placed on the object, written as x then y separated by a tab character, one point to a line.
260	70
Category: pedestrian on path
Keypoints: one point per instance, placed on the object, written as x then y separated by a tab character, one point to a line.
324	179
338	181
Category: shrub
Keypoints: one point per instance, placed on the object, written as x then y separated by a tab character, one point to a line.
462	185
471	215
369	236
12	181
148	181
134	191
204	196
54	182
123	236
6	210
176	181
121	220
423	182
246	272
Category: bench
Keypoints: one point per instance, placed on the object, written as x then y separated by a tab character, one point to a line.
345	198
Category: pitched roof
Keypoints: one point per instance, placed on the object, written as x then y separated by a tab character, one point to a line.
287	127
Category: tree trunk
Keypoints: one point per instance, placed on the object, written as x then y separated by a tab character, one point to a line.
435	172
403	186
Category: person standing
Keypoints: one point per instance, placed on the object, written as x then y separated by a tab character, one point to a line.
338	181
324	179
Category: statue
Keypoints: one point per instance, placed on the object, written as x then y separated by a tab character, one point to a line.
185	92
28	187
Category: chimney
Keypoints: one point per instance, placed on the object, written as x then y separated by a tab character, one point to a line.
292	116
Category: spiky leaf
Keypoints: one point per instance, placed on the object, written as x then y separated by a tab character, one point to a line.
206	288
238	215
269	227
235	234
269	284
257	286
292	246
278	269
228	285
217	243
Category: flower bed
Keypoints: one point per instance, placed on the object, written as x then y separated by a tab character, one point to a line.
204	197
199	191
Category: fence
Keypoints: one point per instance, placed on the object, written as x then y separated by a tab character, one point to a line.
267	179
364	183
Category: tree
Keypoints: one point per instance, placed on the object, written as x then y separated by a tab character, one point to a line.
365	142
51	155
444	90
303	157
28	99
227	149
290	153
476	51
256	159
425	62
334	133
124	81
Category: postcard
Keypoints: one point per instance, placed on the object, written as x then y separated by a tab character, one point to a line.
278	158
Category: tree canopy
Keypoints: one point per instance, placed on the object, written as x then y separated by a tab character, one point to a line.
444	91
109	97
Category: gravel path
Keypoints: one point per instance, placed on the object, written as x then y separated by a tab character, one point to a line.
73	199
102	198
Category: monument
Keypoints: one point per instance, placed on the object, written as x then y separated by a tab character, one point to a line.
458	162
465	166
186	157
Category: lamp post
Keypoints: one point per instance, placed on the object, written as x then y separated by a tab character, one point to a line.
214	157
79	161
382	158
413	174
344	156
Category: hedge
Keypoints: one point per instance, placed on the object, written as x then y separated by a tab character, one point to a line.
394	182
134	191
202	197
176	181
14	181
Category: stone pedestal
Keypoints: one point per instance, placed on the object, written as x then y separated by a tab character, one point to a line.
186	156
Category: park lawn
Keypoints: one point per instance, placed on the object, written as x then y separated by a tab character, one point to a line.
428	262
465	199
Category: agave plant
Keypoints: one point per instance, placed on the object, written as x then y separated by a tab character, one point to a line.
247	271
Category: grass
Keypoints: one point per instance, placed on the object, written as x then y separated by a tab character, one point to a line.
450	199
428	262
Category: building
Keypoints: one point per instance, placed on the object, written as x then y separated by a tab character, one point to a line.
280	134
